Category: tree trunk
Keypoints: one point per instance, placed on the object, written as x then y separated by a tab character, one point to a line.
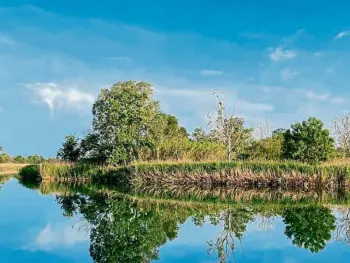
229	150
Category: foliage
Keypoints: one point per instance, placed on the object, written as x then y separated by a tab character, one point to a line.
70	150
229	130
19	159
30	172
35	159
169	141
309	227
269	148
5	158
308	142
121	120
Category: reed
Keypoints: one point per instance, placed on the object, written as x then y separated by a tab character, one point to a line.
271	174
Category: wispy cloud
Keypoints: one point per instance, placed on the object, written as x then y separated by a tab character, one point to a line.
56	97
338	100
211	72
247	106
313	95
5	40
279	54
118	58
287	74
56	236
342	34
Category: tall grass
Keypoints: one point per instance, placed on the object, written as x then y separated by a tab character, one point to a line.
288	174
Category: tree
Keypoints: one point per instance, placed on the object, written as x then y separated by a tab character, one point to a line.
229	130
168	139
5	158
20	159
309	227
268	148
264	130
341	130
308	142
35	159
121	120
70	150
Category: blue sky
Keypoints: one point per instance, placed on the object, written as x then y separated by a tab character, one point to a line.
280	63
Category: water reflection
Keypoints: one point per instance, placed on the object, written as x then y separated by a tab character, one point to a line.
132	224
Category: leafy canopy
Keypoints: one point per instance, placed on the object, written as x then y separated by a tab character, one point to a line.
121	120
308	142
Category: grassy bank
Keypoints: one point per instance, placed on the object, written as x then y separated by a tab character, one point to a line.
10	168
287	174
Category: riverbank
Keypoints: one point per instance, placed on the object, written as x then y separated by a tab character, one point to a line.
270	174
10	168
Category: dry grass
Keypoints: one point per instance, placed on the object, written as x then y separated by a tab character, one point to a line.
10	168
337	162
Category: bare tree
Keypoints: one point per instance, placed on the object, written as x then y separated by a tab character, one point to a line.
263	130
228	129
341	130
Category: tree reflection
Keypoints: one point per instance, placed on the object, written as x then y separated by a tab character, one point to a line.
342	232
309	227
120	230
126	228
234	220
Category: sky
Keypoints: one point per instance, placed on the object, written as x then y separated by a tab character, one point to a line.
273	62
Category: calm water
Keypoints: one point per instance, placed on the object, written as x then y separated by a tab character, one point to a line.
106	226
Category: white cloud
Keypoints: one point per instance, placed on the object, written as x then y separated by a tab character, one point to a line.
288	74
57	97
313	95
337	100
342	34
6	40
318	54
279	54
51	237
211	72
247	106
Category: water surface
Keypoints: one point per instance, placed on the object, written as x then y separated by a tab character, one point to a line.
69	224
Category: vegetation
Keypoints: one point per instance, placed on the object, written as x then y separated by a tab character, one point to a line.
308	142
128	126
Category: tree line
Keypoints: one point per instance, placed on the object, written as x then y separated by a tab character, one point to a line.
129	126
31	159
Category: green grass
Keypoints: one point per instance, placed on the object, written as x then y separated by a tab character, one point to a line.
208	173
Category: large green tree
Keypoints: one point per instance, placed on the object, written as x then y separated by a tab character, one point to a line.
122	117
308	141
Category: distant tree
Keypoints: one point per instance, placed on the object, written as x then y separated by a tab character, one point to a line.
35	159
199	135
20	159
70	150
269	148
229	130
308	142
5	158
341	130
263	131
121	119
